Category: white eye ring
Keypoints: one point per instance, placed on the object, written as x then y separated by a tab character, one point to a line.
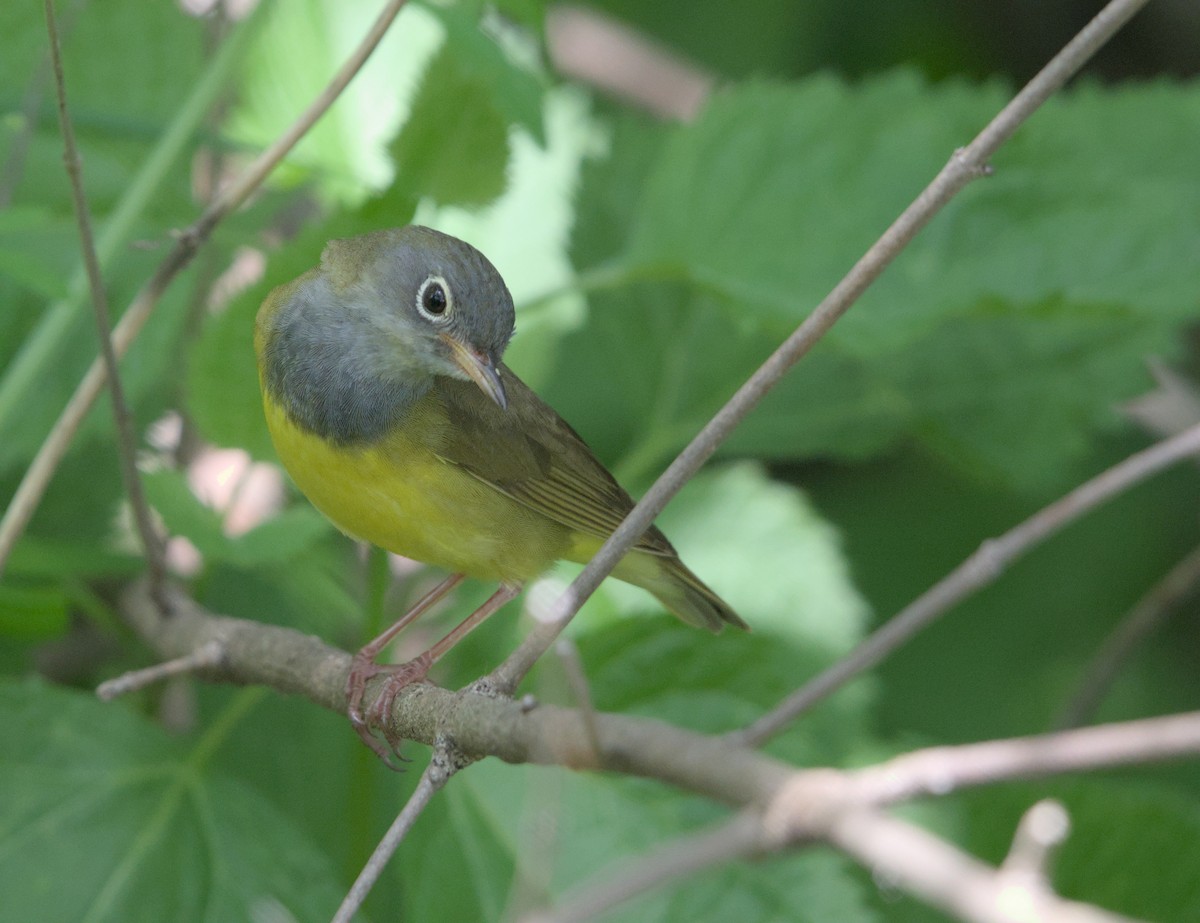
434	300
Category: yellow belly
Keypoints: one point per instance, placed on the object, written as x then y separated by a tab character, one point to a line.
399	495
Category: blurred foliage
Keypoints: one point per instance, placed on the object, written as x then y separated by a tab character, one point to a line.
654	265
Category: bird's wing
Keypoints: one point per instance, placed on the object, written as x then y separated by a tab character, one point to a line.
529	453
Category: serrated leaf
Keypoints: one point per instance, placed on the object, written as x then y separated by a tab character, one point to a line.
517	91
756	209
106	818
454	146
973	380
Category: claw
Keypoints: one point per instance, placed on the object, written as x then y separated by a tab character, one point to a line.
372	725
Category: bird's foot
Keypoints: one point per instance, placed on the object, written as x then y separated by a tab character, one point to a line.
373	724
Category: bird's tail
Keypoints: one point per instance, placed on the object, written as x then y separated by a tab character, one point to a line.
681	591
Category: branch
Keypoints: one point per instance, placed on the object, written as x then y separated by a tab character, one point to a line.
916	861
738	837
965	165
794	806
941	770
432	781
714	766
1145	617
980	569
37	476
126	441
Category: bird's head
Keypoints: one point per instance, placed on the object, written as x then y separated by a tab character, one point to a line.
435	303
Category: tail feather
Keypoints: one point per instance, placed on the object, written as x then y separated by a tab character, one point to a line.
681	591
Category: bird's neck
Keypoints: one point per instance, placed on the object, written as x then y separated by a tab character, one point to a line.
332	388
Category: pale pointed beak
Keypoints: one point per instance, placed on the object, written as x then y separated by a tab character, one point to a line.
480	368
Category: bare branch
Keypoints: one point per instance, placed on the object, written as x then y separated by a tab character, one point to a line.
964	166
441	767
980	569
295	663
37	476
205	657
1043	828
568	653
732	839
940	770
914	860
126	440
1150	612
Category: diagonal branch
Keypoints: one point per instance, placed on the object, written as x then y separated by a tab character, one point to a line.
980	569
1150	612
126	440
965	165
432	781
37	476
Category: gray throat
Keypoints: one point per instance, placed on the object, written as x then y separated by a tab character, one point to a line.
332	396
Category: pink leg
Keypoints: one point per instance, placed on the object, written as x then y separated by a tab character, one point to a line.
363	666
416	669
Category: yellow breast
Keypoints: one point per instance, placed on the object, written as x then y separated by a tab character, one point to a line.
399	494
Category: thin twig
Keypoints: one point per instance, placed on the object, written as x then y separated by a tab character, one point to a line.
572	664
1042	830
14	164
965	165
37	476
941	770
1144	618
152	544
206	657
731	839
432	780
978	570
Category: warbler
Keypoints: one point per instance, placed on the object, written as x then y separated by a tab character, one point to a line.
389	406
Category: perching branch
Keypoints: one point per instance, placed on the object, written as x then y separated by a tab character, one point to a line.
792	806
965	165
41	470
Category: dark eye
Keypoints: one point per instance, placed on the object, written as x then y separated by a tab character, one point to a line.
434	298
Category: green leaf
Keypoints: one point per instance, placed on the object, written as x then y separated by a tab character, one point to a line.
36	248
106	818
282	538
494	822
42	558
761	545
974	379
32	612
301	44
222	378
184	514
516	89
1053	278
454	146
